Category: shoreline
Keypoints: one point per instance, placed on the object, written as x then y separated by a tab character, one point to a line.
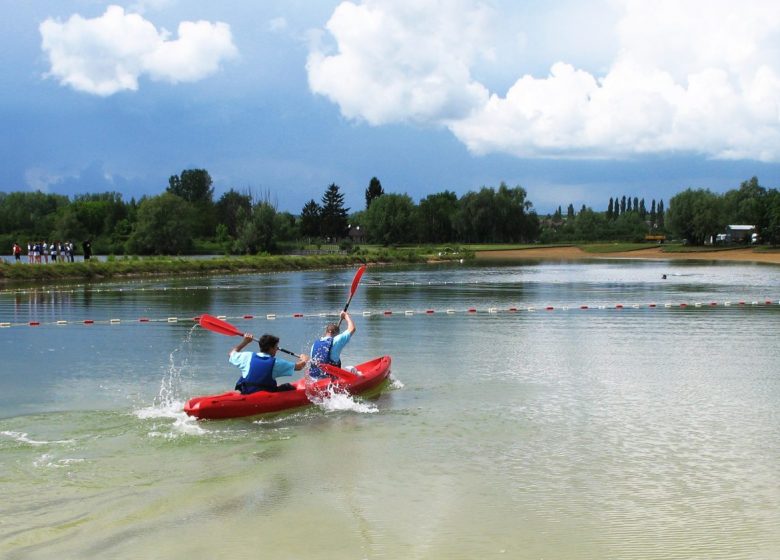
572	253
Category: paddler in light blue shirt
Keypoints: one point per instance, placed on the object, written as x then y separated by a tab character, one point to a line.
259	370
327	350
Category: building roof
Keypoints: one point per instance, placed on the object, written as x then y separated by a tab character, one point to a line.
741	227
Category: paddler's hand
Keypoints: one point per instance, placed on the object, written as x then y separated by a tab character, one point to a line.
303	359
248	337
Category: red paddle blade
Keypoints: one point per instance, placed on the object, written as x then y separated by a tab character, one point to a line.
356	280
218	325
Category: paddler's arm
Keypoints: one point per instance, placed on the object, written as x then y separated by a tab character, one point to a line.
303	359
240	346
350	325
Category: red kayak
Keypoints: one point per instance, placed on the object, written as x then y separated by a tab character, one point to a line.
234	405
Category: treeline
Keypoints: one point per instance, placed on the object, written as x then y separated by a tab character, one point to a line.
625	219
187	219
699	214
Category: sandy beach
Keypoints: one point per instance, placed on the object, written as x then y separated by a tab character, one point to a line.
654	253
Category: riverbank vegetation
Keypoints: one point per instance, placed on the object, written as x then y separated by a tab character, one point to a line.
149	266
185	219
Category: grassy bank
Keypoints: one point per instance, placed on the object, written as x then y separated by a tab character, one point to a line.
182	266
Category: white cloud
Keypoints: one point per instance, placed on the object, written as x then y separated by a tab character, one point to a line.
401	61
686	76
110	53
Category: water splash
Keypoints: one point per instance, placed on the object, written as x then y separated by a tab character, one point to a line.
335	398
169	402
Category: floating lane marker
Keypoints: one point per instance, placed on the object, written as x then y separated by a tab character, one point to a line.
62	322
450	311
366	314
388	312
173	319
143	320
34	323
408	312
249	317
271	316
297	314
5	325
114	321
89	322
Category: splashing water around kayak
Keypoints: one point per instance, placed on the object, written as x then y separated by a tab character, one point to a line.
335	399
168	402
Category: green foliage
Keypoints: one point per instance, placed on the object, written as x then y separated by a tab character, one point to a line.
696	215
165	226
373	191
436	214
311	217
333	218
502	216
229	208
258	233
391	220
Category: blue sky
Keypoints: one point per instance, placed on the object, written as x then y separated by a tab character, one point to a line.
574	101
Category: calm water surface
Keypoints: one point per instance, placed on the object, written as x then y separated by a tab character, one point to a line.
629	433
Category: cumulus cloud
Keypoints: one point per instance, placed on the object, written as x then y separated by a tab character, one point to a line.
695	76
403	60
108	54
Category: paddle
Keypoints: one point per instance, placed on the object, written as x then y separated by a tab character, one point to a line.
355	282
213	324
223	327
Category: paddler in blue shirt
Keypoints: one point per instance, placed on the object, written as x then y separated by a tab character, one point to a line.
259	370
327	350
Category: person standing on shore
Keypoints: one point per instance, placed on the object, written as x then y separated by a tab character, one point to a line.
17	252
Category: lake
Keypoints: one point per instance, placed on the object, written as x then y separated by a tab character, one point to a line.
536	410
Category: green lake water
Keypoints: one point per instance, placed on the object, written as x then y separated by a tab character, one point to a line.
635	419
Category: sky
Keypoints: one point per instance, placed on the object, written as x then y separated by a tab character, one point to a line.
574	101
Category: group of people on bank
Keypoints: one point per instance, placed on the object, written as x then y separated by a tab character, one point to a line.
41	252
260	370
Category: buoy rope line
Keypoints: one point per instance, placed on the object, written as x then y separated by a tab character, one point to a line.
410	312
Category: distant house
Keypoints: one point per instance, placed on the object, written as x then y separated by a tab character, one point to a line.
738	233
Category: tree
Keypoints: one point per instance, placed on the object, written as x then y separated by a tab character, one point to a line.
164	226
334	222
258	233
195	186
609	208
391	219
436	214
747	205
373	191
311	216
229	208
695	215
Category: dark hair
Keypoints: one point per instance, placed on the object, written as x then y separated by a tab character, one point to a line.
267	342
332	329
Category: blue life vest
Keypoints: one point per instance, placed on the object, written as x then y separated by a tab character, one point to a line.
320	354
260	376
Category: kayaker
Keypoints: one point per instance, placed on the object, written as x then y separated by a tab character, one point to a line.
327	350
259	370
